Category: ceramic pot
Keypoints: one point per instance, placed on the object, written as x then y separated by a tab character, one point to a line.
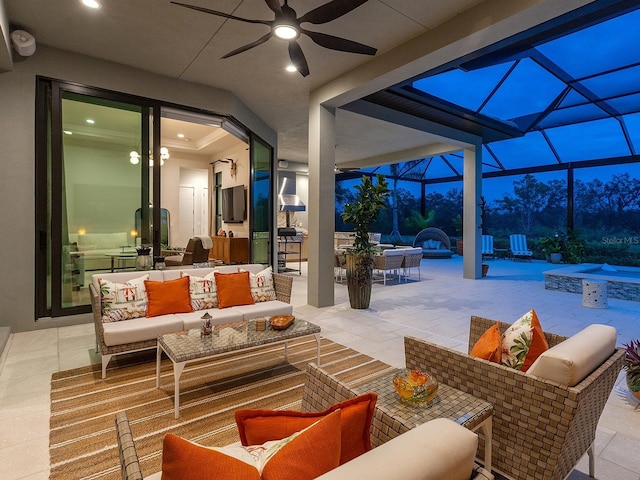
635	394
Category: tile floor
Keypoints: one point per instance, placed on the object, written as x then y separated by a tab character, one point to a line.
436	308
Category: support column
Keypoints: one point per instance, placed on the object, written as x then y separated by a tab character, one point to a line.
321	205
471	229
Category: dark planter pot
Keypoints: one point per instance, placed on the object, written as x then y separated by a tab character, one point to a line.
459	247
359	280
555	257
485	269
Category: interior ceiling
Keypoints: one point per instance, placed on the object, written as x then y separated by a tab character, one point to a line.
166	39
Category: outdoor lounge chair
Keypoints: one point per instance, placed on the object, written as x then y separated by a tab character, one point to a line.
487	247
412	259
518	247
434	243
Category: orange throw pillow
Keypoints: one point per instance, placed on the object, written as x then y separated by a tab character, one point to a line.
538	345
233	289
489	345
302	456
259	426
167	297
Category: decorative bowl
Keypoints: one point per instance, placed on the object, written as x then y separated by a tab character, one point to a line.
414	386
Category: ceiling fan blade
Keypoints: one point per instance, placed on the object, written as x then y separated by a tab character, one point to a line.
222	14
330	11
297	58
249	46
274	5
337	43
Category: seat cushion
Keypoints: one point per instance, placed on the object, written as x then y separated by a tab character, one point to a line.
569	362
218	317
140	329
264	309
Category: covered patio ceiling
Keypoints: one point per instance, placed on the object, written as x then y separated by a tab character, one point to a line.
565	95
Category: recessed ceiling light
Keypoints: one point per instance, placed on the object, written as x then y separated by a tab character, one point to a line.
90	121
91	3
291	68
68	132
181	135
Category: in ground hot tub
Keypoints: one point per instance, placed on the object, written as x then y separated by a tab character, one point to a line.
622	282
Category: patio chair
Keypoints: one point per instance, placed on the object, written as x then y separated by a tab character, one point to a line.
412	259
518	247
388	260
487	247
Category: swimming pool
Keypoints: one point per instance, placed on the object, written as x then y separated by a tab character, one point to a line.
622	282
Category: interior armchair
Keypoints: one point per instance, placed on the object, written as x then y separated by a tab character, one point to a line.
196	252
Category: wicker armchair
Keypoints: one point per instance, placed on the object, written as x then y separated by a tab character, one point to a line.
540	428
412	259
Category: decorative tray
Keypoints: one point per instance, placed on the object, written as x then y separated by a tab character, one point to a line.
280	322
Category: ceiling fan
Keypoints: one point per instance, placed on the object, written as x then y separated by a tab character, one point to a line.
286	26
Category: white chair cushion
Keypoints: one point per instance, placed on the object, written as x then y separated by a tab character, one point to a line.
264	309
218	317
569	362
140	329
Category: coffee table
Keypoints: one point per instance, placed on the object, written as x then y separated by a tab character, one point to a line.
188	346
394	417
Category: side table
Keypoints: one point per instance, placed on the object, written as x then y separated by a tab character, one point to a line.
394	417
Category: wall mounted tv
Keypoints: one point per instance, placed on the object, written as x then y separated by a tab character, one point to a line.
234	204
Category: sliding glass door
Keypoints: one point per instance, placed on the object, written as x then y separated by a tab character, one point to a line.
94	200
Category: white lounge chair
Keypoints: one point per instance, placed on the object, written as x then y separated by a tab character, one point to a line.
519	249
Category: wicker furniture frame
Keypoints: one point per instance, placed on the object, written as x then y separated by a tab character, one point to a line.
282	284
321	390
129	462
540	428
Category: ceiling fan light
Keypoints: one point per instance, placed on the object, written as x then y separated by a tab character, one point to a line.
285	31
291	68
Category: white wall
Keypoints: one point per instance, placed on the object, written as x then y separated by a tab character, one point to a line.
17	156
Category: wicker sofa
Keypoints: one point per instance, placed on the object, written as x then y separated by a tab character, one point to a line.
436	450
540	428
126	336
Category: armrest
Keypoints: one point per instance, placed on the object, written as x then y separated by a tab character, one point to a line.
282	285
96	309
432	451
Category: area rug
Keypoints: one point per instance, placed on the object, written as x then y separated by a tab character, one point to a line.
82	441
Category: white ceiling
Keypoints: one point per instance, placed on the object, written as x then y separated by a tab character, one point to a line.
160	37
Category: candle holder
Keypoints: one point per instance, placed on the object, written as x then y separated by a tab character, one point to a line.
206	328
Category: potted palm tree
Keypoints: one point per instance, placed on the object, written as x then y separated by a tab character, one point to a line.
362	213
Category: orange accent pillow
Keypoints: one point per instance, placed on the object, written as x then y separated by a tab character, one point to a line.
489	345
538	345
167	297
233	289
304	455
259	426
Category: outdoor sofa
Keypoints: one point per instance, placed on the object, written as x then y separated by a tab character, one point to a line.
436	450
141	333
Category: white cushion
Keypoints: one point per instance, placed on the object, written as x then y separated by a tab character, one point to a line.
264	309
569	362
218	317
422	453
140	329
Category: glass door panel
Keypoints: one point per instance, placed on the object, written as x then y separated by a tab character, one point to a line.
261	201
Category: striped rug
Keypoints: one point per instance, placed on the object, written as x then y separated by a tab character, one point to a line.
82	442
